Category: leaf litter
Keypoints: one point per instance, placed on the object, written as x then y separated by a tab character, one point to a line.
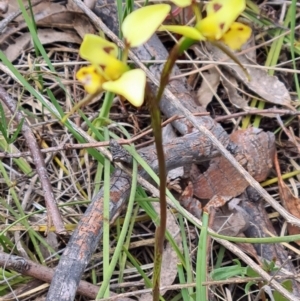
269	88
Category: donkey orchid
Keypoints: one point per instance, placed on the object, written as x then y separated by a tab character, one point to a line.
106	71
218	25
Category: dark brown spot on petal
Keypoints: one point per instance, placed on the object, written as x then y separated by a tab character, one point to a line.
108	49
222	25
240	29
217	6
102	67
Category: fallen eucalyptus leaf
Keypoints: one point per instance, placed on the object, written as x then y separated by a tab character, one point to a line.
230	85
46	36
208	87
268	87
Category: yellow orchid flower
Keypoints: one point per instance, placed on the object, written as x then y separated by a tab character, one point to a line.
141	24
109	73
220	15
219	24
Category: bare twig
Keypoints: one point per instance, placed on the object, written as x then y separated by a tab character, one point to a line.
266	112
29	268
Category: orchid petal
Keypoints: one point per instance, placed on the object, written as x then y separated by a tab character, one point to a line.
90	78
141	24
130	85
92	44
182	3
186	31
220	15
237	35
114	68
102	53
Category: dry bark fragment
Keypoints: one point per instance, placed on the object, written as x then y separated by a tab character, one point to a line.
254	152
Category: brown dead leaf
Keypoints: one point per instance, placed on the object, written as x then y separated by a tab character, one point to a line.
215	202
3	6
69	19
268	87
255	151
46	36
49	14
41	6
230	221
190	203
209	86
289	201
230	85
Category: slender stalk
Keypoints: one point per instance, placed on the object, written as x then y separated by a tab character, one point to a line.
182	45
157	131
161	229
178	49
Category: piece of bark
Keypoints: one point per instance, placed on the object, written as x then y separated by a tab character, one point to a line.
254	151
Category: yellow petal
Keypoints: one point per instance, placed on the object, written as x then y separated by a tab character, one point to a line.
236	6
114	68
186	31
90	78
182	3
220	15
237	35
141	24
130	85
92	44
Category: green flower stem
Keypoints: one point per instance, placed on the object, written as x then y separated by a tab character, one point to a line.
182	45
161	229
178	49
157	131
